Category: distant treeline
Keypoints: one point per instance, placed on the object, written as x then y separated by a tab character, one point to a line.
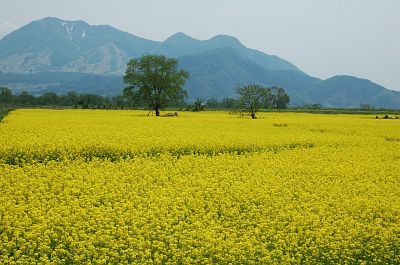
275	98
3	113
71	99
92	101
86	101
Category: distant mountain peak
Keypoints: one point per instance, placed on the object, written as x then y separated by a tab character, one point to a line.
181	39
179	36
348	78
226	40
49	20
225	37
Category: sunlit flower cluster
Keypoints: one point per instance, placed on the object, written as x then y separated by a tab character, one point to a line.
118	187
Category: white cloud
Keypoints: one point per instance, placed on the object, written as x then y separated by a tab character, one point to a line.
6	27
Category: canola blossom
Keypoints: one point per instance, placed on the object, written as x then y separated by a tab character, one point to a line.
118	187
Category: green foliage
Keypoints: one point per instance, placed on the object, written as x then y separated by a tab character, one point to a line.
156	80
63	82
225	103
50	99
3	113
198	104
279	98
5	95
252	98
315	106
366	107
132	96
230	103
213	103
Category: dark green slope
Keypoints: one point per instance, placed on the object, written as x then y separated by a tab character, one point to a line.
349	91
181	44
216	74
52	44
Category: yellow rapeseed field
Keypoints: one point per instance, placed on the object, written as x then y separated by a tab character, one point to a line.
119	187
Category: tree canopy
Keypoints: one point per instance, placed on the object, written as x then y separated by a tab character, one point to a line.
254	97
50	99
156	81
279	98
5	95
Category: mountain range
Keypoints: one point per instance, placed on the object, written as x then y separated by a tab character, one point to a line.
60	56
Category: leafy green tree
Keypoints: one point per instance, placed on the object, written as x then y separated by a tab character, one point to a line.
364	106
279	98
132	97
229	103
157	81
118	101
6	95
49	99
25	99
252	98
70	99
92	101
213	103
198	104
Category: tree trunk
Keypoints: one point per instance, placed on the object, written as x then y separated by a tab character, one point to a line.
157	112
253	116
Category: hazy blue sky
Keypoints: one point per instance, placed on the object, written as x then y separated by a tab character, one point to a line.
322	37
